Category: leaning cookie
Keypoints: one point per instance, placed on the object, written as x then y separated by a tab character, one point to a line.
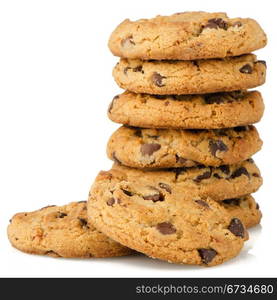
168	226
187	36
210	111
170	148
190	77
61	231
245	208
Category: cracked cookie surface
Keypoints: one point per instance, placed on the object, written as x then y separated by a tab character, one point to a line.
61	231
170	148
187	36
160	221
210	111
190	77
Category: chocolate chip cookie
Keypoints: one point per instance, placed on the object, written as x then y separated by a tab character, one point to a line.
210	111
246	209
218	183
187	36
162	222
61	231
170	148
190	77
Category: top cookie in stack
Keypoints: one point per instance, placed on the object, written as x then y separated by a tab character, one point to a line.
186	111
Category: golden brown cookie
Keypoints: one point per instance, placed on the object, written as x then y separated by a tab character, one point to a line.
187	36
218	183
210	111
61	231
171	148
190	77
162	222
246	209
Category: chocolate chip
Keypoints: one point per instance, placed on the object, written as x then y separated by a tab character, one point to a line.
82	201
149	149
217	176
240	171
115	159
128	193
251	160
202	203
83	222
165	187
246	69
213	98
157	79
207	255
216	23
217	145
255	175
180	159
61	215
138	69
233	201
203	176
155	198
112	103
125	71
166	103
261	62
225	169
257	206
236	227
110	202
166	228
127	41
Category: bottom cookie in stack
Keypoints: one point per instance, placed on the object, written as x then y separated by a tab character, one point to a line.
61	231
154	213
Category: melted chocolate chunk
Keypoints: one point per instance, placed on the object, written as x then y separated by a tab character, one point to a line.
128	193
111	202
202	203
207	255
217	145
203	176
246	69
155	197
158	79
83	222
236	227
166	228
225	169
149	149
216	23
240	171
61	215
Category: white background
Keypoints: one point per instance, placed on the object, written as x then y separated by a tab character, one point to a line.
55	86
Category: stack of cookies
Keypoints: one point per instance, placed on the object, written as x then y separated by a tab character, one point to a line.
181	184
180	189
